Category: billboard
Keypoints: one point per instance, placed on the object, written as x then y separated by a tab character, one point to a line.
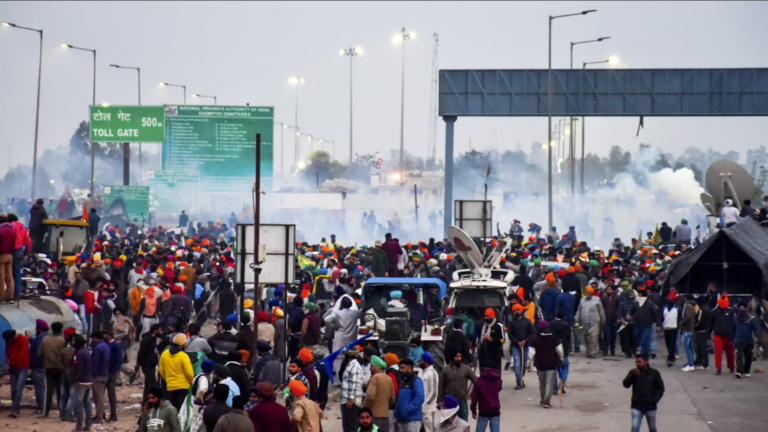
133	199
219	142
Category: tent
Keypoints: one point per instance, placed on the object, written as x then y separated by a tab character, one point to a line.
736	258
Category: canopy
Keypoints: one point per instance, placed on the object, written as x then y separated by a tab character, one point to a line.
405	281
736	258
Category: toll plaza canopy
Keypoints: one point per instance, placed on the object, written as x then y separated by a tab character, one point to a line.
736	258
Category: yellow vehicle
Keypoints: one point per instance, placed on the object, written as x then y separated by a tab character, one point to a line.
63	238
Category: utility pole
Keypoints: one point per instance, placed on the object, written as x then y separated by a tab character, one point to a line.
433	101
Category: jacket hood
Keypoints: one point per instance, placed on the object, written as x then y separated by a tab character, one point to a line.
728	203
174	350
491	374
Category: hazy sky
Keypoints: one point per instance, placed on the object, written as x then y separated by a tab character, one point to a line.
245	52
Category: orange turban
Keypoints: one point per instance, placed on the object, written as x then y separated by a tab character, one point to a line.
182	278
723	302
578	268
245	355
590	290
561	272
571	269
518	308
551	282
549	276
305	355
297	388
391	359
490	313
520	293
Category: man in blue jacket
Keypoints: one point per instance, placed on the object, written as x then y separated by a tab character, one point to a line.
410	398
548	301
115	362
100	368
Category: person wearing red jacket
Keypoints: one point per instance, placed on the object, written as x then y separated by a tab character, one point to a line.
22	245
17	356
93	299
7	239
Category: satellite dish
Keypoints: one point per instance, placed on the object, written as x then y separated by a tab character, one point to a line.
708	202
727	179
465	246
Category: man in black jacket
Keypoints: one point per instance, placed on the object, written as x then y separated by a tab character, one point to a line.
37	214
236	372
645	314
665	232
521	333
456	342
701	334
647	391
147	358
490	341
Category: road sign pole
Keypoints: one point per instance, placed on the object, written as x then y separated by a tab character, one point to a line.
126	164
256	212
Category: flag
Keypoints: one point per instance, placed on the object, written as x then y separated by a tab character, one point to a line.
85	212
330	358
656	236
488	173
302	260
354	249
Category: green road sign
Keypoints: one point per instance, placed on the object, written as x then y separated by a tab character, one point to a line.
170	192
134	201
127	124
219	142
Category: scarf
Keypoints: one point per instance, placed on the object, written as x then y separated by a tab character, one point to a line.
487	328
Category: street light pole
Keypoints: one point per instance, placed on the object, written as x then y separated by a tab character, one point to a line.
204	96
126	149
549	113
573	135
402	37
296	80
283	126
584	125
93	146
37	112
177	85
351	53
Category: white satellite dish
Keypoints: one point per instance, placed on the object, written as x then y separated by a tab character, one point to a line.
465	246
727	179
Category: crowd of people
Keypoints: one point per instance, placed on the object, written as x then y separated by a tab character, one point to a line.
158	288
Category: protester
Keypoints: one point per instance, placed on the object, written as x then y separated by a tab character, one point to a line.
647	391
100	362
268	366
158	414
410	399
176	370
236	420
745	332
380	394
114	367
546	353
590	317
147	360
521	333
217	407
486	407
430	380
238	374
306	414
722	325
17	356
82	379
222	379
490	341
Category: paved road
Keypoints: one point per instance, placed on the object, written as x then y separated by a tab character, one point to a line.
596	400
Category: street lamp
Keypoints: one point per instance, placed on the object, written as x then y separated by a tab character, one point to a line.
401	38
93	147
177	85
283	126
351	53
296	80
215	102
572	143
333	147
549	108
138	70
37	113
584	120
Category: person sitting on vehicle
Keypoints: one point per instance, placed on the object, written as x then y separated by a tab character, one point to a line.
395	302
